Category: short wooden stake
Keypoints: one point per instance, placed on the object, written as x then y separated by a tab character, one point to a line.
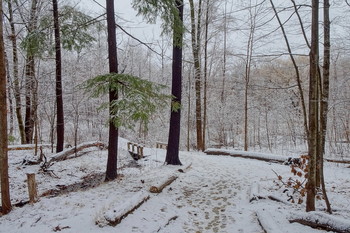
32	189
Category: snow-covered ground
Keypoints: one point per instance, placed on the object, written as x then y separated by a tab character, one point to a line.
213	195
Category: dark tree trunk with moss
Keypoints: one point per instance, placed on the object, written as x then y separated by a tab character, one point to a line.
172	155
59	98
111	172
5	187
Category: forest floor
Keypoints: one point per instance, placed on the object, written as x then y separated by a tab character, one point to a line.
213	195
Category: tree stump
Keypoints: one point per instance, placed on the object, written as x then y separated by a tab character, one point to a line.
32	189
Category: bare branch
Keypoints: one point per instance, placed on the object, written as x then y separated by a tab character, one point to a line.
138	40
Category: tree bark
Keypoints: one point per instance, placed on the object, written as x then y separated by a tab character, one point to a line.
16	86
313	109
59	95
4	177
30	77
111	171
205	101
172	155
195	36
324	98
159	189
249	54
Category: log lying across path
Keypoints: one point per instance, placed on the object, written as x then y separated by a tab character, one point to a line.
115	214
159	189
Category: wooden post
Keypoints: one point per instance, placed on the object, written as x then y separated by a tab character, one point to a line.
140	151
33	194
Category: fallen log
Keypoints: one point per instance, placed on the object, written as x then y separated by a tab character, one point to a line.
338	161
159	189
70	151
167	224
247	155
267	222
117	213
323	221
185	169
27	146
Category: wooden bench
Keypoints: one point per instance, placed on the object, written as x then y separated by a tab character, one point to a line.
135	150
161	145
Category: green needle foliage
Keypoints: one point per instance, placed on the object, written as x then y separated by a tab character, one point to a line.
137	99
75	29
166	10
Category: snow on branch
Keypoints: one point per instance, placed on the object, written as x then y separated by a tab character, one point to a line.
118	211
321	220
70	151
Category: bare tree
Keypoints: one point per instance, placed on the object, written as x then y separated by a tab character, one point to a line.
196	40
5	188
295	65
313	108
16	86
324	96
205	90
248	64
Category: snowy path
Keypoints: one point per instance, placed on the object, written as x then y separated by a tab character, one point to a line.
212	196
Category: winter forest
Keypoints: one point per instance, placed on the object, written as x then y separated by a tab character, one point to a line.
176	95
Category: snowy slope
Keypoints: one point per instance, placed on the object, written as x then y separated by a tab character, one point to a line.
212	196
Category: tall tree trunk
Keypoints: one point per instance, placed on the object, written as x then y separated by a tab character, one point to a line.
195	35
324	99
189	110
313	109
249	54
111	171
30	76
172	155
206	40
16	86
5	187
59	97
9	95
